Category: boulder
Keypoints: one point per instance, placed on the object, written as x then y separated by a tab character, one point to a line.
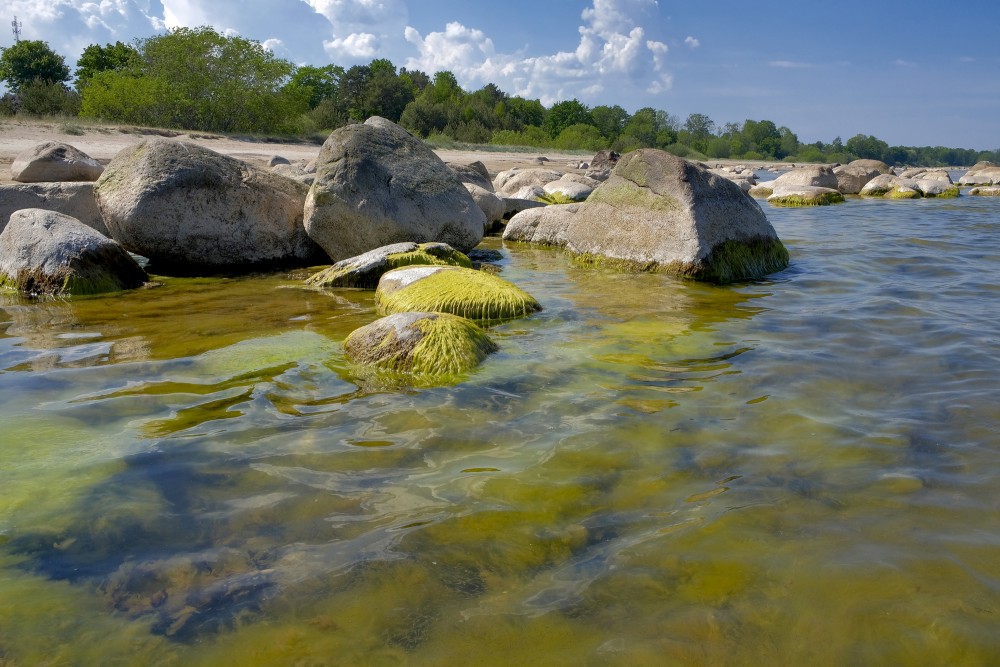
73	199
815	175
985	192
507	184
514	205
879	186
294	172
365	270
982	173
761	190
658	212
54	162
529	192
475	173
425	343
377	184
477	295
276	160
875	165
45	252
191	210
488	202
602	164
804	195
851	178
568	188
932	187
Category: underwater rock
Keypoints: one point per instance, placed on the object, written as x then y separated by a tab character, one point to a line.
365	270
73	199
804	195
377	184
44	252
658	212
190	209
477	295
52	162
420	342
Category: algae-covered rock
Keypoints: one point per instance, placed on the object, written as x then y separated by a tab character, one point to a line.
804	195
879	186
420	342
477	295
932	187
657	212
985	192
365	270
44	252
761	190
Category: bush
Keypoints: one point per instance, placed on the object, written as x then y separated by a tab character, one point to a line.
44	98
580	137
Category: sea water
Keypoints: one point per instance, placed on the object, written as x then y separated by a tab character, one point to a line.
800	470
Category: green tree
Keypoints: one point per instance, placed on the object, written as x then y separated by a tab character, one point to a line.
31	60
96	58
762	137
649	128
698	130
580	136
789	142
564	114
318	83
868	147
609	120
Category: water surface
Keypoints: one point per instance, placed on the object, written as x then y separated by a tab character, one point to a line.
650	471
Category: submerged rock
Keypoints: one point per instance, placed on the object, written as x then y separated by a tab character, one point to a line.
804	195
44	252
657	212
52	162
420	342
477	295
377	184
365	270
190	209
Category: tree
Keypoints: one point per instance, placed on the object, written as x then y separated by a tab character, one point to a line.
868	147
609	120
115	57
564	114
699	128
648	127
319	83
31	60
789	142
195	78
763	137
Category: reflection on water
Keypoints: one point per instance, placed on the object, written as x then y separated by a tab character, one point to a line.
648	472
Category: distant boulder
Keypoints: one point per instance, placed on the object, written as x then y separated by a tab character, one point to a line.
657	212
54	162
602	164
474	173
982	173
74	199
45	252
570	188
377	184
191	210
814	175
490	203
804	195
508	183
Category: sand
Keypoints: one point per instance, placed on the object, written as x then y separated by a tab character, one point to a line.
103	142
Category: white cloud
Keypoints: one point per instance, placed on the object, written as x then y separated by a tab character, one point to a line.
613	49
692	42
355	45
904	63
789	64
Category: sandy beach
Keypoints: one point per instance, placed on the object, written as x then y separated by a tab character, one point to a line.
104	142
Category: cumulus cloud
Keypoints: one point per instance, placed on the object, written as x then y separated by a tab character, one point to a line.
612	47
692	42
361	29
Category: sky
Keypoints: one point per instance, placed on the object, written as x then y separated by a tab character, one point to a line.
916	74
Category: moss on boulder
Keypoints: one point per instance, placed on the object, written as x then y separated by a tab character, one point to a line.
430	343
477	295
805	195
365	270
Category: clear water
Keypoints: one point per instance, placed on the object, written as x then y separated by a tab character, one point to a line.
650	472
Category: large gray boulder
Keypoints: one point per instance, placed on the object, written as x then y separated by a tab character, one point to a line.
570	188
191	210
45	252
658	212
852	177
377	184
876	165
982	173
53	162
488	202
73	199
602	164
815	175
475	173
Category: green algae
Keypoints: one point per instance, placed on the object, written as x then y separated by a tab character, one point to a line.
793	200
345	274
898	192
476	295
949	193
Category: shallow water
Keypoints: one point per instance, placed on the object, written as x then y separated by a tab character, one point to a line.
649	471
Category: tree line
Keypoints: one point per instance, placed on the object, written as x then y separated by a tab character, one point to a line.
199	79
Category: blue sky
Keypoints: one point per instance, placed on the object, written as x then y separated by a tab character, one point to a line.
918	73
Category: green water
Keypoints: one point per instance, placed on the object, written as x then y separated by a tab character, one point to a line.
649	472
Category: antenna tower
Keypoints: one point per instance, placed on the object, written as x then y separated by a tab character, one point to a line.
17	29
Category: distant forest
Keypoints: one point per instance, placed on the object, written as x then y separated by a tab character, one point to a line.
198	79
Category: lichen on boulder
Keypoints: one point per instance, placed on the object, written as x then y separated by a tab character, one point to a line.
477	295
365	270
430	343
657	212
